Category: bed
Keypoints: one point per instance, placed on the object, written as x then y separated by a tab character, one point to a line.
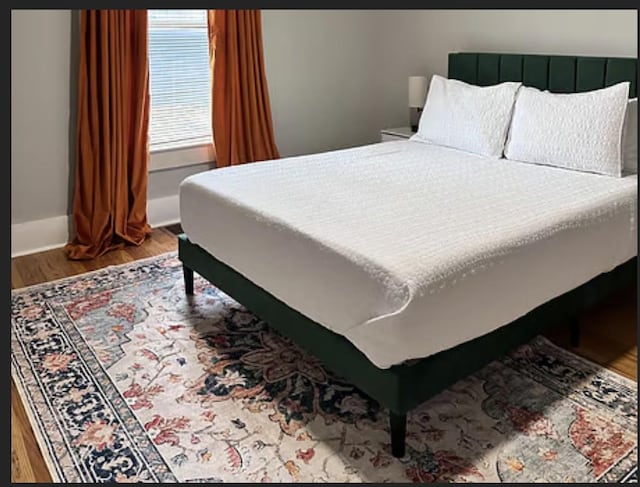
382	284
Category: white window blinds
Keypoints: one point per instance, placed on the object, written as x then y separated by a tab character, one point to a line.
179	79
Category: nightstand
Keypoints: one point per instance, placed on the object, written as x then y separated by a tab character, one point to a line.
398	133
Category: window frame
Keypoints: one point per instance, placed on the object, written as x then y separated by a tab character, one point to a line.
165	159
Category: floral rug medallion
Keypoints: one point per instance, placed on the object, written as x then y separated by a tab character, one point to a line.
126	379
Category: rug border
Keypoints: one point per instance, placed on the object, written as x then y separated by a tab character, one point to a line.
40	440
626	381
20	388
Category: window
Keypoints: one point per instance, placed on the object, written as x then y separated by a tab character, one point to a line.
179	80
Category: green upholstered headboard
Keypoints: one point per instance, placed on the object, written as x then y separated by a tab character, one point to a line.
559	74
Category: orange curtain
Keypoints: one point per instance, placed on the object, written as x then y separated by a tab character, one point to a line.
110	199
241	113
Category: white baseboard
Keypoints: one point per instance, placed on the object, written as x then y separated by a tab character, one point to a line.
39	235
163	211
50	233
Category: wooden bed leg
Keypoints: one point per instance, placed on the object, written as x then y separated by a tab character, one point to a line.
188	280
398	424
575	332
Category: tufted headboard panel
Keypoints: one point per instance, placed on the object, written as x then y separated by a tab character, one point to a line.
559	74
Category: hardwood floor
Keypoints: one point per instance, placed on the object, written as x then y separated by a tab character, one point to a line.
608	333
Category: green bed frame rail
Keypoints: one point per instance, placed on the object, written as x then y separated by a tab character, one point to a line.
396	387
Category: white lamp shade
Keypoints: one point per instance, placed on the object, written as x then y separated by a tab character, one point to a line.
417	91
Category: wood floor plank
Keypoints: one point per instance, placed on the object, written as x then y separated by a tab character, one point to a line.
21	471
16	277
608	333
29	270
27	464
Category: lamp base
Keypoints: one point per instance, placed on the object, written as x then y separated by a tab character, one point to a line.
414	117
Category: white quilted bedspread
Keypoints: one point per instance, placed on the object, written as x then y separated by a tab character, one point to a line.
408	248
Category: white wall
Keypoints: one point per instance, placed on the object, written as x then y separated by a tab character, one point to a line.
423	38
40	113
321	67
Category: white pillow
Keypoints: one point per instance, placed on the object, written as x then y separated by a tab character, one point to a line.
467	117
630	139
579	131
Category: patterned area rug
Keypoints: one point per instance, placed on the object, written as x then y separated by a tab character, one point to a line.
125	379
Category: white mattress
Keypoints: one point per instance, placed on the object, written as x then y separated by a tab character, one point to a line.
406	248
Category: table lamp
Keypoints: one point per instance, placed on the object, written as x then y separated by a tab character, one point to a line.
417	96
